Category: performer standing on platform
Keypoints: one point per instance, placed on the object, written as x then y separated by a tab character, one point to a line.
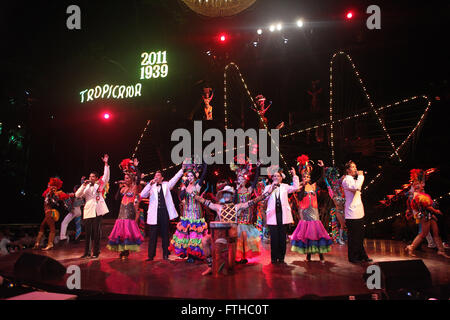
279	214
160	210
310	236
126	236
424	211
336	193
248	242
187	240
207	97
261	111
94	191
354	213
53	202
226	207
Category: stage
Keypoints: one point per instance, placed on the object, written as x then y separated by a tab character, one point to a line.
176	279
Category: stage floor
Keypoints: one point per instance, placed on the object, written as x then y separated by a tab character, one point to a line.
256	280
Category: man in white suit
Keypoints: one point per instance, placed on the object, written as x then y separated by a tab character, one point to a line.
160	210
94	209
278	214
354	213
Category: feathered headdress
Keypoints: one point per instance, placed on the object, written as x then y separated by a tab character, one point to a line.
127	165
416	175
53	182
304	165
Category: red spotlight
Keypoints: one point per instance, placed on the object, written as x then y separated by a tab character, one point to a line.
223	37
216	173
349	15
106	116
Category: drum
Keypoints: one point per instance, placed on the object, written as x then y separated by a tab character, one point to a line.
223	238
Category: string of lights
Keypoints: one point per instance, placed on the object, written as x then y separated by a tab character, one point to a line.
140	139
370	102
331	112
354	116
254	105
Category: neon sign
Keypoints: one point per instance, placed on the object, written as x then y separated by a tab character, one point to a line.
154	65
111	91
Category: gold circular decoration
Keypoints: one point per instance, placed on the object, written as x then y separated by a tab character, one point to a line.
218	8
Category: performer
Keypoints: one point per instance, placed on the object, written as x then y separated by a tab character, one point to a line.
248	242
227	207
261	223
310	236
207	97
126	236
336	193
261	111
74	207
160	210
279	214
94	191
53	202
354	213
187	240
424	211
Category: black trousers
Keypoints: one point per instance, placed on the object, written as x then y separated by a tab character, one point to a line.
92	228
162	227
277	242
355	233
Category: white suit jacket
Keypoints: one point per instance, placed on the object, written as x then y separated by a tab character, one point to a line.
94	207
284	189
151	192
354	208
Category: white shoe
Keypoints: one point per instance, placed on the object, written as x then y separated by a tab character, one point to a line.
341	242
432	245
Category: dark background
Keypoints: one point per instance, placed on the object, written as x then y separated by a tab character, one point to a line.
45	66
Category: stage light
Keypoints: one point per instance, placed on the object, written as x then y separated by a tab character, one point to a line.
223	37
272	28
349	15
299	23
255	44
106	116
279	26
216	173
259	31
208	52
285	41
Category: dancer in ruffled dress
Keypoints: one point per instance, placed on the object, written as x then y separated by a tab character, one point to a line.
192	227
310	236
126	235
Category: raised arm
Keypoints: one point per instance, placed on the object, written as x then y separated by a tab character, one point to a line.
199	183
145	193
267	107
106	172
174	180
351	185
296	182
252	202
255	178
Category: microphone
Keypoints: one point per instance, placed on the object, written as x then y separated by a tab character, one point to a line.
119	182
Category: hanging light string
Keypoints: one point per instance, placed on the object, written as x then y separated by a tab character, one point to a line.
254	104
370	102
399	213
331	111
140	139
419	124
354	116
